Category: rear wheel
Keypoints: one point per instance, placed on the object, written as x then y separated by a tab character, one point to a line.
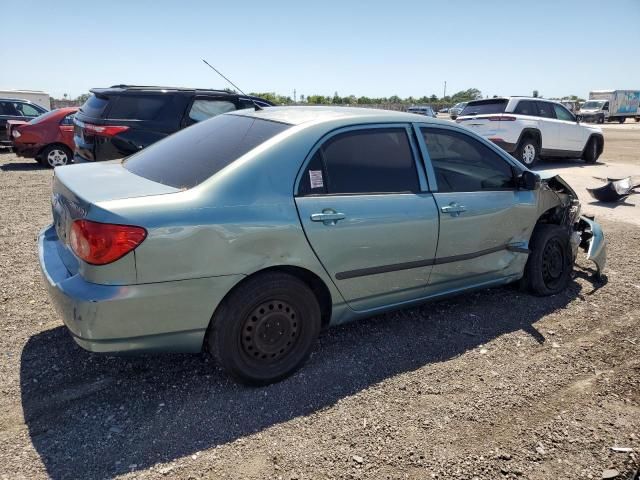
265	329
55	156
622	119
590	154
528	151
550	262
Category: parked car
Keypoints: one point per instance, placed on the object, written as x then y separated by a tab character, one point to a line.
16	109
246	234
34	96
118	121
425	110
47	138
443	110
533	128
456	110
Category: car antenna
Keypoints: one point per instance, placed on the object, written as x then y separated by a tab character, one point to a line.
255	104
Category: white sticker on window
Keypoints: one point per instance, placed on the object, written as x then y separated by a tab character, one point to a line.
315	176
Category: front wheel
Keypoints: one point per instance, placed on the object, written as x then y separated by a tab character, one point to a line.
622	119
265	329
527	152
550	262
55	156
590	154
601	119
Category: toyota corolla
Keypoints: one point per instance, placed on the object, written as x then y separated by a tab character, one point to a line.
246	234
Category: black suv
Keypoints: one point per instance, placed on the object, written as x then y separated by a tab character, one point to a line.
16	109
118	121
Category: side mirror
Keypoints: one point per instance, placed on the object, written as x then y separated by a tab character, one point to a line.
529	180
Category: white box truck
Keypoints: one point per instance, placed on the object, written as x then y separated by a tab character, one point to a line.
611	106
41	98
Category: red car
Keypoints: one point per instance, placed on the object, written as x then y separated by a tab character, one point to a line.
47	138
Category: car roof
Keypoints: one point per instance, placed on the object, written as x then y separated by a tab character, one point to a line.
160	89
297	115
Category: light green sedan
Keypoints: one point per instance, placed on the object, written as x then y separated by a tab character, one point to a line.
246	234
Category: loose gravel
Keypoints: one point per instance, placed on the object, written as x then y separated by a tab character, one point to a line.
489	385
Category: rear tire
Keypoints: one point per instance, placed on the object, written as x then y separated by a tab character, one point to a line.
56	156
590	153
622	119
264	330
550	262
528	151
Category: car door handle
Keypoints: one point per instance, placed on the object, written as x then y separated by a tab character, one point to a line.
454	209
328	217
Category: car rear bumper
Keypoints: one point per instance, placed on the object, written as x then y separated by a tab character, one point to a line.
27	151
156	317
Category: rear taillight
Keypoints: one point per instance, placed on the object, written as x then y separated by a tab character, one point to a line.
104	130
102	243
501	118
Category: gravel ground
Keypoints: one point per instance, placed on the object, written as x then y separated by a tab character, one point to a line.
495	384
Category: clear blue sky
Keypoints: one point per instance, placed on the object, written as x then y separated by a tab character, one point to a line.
373	48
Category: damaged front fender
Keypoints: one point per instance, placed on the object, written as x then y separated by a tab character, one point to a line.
593	242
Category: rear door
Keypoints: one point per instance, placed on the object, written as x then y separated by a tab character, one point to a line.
549	128
485	221
364	207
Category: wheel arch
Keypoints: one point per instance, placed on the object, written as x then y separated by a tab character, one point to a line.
312	280
530	132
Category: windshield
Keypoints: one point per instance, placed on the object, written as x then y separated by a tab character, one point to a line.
593	105
484	106
190	156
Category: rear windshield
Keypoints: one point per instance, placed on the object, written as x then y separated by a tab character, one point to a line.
194	154
483	107
43	117
94	106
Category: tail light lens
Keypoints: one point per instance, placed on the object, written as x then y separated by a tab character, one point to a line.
105	130
102	243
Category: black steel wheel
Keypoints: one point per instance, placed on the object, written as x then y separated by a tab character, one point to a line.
264	330
550	262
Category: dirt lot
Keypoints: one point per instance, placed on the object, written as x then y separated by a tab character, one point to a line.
495	384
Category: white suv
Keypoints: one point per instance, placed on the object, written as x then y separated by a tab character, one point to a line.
533	128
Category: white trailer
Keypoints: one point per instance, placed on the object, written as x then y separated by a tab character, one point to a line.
41	98
612	105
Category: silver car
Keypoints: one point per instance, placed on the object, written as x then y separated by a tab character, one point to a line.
246	234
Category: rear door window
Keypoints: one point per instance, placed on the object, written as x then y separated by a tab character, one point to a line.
204	108
194	154
138	107
463	164
94	106
545	110
368	161
526	107
68	119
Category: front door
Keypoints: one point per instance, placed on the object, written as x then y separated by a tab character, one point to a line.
573	136
365	210
485	221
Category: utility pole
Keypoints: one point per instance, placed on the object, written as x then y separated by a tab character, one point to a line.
294	95
444	93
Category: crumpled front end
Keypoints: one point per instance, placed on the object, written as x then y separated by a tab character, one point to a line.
586	233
